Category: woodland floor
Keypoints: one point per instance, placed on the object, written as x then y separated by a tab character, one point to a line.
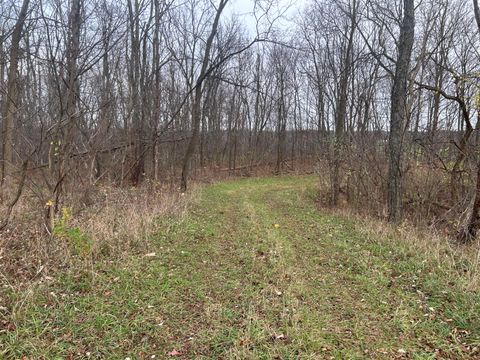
253	271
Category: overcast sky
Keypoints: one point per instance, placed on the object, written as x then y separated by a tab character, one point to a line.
244	9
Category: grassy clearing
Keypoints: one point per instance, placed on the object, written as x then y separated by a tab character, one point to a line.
254	271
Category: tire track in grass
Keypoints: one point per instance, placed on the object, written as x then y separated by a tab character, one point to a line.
226	283
353	297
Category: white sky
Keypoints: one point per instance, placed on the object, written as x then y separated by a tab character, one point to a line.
244	9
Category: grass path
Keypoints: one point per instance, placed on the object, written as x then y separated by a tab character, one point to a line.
254	271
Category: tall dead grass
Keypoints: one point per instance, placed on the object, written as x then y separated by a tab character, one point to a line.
428	241
431	220
101	223
126	219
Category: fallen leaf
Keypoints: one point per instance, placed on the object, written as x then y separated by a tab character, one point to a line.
174	352
152	254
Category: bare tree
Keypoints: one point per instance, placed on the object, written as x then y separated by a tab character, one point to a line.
69	112
197	97
341	105
469	232
398	112
11	98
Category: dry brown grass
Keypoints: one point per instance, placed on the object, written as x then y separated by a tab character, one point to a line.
96	223
126	218
431	221
430	242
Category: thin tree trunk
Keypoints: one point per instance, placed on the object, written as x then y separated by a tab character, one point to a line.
10	110
196	109
72	88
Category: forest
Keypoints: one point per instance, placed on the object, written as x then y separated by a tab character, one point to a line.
131	129
382	103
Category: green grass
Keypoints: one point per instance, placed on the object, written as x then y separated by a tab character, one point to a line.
226	283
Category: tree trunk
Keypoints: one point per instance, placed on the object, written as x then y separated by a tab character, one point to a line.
10	110
196	109
341	112
470	231
71	94
398	113
467	234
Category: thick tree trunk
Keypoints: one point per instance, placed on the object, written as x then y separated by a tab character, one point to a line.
398	115
135	97
470	231
341	112
455	174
